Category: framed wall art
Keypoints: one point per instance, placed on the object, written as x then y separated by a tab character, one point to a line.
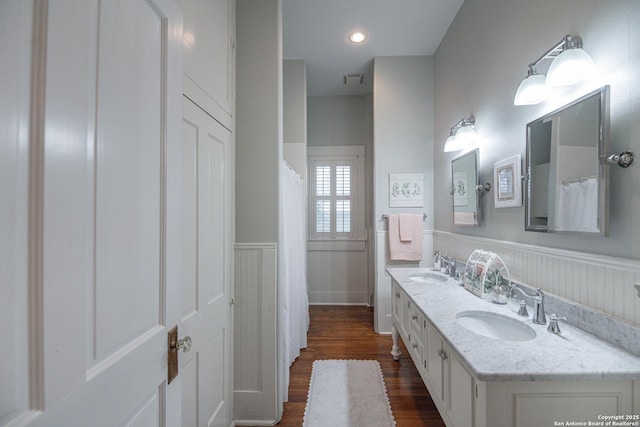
406	190
508	183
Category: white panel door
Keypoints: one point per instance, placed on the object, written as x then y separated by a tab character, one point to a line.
206	254
101	241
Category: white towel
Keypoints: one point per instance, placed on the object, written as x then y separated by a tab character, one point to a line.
464	218
405	237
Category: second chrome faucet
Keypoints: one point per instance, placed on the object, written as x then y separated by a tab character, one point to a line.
538	304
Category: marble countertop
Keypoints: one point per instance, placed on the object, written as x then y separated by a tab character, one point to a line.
573	355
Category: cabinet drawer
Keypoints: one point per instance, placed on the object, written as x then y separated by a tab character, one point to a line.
416	340
415	317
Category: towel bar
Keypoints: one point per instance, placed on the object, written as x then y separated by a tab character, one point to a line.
386	216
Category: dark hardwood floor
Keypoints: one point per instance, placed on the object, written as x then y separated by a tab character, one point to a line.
339	332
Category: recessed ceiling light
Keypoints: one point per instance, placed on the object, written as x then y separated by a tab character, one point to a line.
357	37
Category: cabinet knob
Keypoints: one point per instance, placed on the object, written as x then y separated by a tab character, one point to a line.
443	354
397	294
414	345
414	317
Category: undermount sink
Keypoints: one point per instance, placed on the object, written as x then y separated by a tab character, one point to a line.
428	278
494	325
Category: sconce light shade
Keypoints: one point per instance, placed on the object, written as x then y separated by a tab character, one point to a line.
451	144
466	137
461	136
570	67
532	90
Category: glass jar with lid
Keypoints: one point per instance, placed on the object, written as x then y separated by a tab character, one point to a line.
485	270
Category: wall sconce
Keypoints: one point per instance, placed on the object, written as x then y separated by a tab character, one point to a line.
570	65
462	135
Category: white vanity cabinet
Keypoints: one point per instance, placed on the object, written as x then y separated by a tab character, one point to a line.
450	384
497	398
549	403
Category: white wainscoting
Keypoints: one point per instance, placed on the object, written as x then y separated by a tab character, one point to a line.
255	388
600	282
337	273
382	296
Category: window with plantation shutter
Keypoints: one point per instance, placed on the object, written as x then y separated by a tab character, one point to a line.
333	192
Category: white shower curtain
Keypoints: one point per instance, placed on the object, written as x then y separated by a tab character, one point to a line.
577	208
293	311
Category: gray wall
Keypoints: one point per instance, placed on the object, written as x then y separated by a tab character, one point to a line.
258	119
403	143
403	129
294	78
338	120
478	67
344	120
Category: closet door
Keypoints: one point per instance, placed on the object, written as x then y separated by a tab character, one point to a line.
97	172
209	56
206	248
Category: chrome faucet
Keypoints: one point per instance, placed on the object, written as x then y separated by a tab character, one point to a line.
436	260
553	323
538	304
451	267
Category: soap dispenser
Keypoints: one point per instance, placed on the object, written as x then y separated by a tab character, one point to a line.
500	290
500	294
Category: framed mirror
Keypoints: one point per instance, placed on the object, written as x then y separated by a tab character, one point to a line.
465	180
566	177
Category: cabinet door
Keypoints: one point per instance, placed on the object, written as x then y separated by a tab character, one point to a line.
543	403
460	391
206	272
209	55
435	363
423	368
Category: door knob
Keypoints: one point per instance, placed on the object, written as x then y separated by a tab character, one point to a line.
184	344
175	345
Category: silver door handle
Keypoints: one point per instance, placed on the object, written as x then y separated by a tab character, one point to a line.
184	344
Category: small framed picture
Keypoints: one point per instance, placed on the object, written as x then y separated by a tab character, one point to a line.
508	185
406	190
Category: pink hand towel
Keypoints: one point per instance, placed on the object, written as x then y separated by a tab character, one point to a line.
464	218
405	237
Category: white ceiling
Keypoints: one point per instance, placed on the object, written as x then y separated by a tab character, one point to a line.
317	30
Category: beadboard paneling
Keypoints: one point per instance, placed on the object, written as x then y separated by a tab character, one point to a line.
255	350
337	277
600	282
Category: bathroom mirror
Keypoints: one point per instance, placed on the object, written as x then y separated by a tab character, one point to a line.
566	177
465	180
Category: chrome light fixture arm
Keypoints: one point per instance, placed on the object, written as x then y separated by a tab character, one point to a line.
567	42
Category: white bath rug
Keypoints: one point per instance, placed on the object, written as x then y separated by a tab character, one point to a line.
347	393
